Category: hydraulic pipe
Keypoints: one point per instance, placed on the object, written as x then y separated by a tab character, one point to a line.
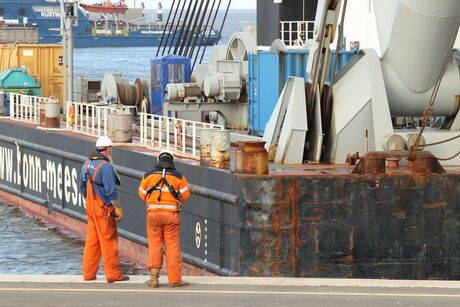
166	28
223	21
202	36
209	34
176	48
175	29
194	33
200	25
185	41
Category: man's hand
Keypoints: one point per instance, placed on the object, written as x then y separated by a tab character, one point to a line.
118	212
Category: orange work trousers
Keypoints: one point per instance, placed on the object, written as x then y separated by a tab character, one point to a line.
101	239
164	227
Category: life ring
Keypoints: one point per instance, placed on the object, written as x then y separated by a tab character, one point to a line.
71	115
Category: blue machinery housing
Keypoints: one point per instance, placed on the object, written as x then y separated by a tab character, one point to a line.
268	73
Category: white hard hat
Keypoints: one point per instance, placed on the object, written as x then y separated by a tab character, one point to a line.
103	141
166	151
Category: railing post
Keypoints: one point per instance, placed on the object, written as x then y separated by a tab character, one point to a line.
175	134
141	128
99	121
152	130
160	132
167	119
193	138
184	129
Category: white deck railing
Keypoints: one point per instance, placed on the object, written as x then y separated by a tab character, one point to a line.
296	33
25	107
88	118
181	136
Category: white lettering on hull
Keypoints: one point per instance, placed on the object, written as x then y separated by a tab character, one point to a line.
55	179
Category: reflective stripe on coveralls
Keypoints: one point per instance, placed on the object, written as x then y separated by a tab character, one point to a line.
101	236
171	207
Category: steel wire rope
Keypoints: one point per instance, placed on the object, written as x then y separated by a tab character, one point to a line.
171	28
166	28
185	41
223	21
210	30
182	27
204	34
200	28
428	111
193	29
175	28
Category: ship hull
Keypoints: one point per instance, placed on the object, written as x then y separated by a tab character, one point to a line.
45	18
115	41
294	223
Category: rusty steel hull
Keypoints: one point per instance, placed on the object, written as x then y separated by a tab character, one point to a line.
298	221
392	226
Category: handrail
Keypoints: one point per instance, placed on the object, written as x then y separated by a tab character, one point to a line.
179	135
296	33
88	117
25	107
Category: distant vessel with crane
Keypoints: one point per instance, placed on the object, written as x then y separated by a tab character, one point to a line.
114	25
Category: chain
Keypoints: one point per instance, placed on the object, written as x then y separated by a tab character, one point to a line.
440	142
449	158
428	112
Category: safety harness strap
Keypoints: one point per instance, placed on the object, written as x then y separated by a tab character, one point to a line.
159	187
92	179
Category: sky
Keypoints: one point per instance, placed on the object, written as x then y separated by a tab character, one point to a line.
236	4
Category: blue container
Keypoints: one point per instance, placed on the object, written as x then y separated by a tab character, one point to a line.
268	73
167	69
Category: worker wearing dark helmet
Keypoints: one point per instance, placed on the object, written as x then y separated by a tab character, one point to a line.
164	189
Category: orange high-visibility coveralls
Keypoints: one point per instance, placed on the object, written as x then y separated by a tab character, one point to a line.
163	221
101	236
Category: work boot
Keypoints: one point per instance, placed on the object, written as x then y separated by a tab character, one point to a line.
123	278
153	282
179	284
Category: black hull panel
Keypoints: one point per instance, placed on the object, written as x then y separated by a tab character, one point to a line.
308	224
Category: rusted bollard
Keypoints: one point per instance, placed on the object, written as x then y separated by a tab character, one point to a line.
220	149
251	158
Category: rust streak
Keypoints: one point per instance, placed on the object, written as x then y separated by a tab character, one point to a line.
319	211
347	259
337	202
308	218
320	268
400	215
382	202
436	205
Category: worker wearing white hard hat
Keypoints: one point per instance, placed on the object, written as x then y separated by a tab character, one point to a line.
98	182
164	189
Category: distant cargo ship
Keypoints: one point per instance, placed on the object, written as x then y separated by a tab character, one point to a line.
125	28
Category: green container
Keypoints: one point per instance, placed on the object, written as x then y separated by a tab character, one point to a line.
17	80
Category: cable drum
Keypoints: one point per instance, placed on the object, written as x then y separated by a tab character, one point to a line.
131	95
